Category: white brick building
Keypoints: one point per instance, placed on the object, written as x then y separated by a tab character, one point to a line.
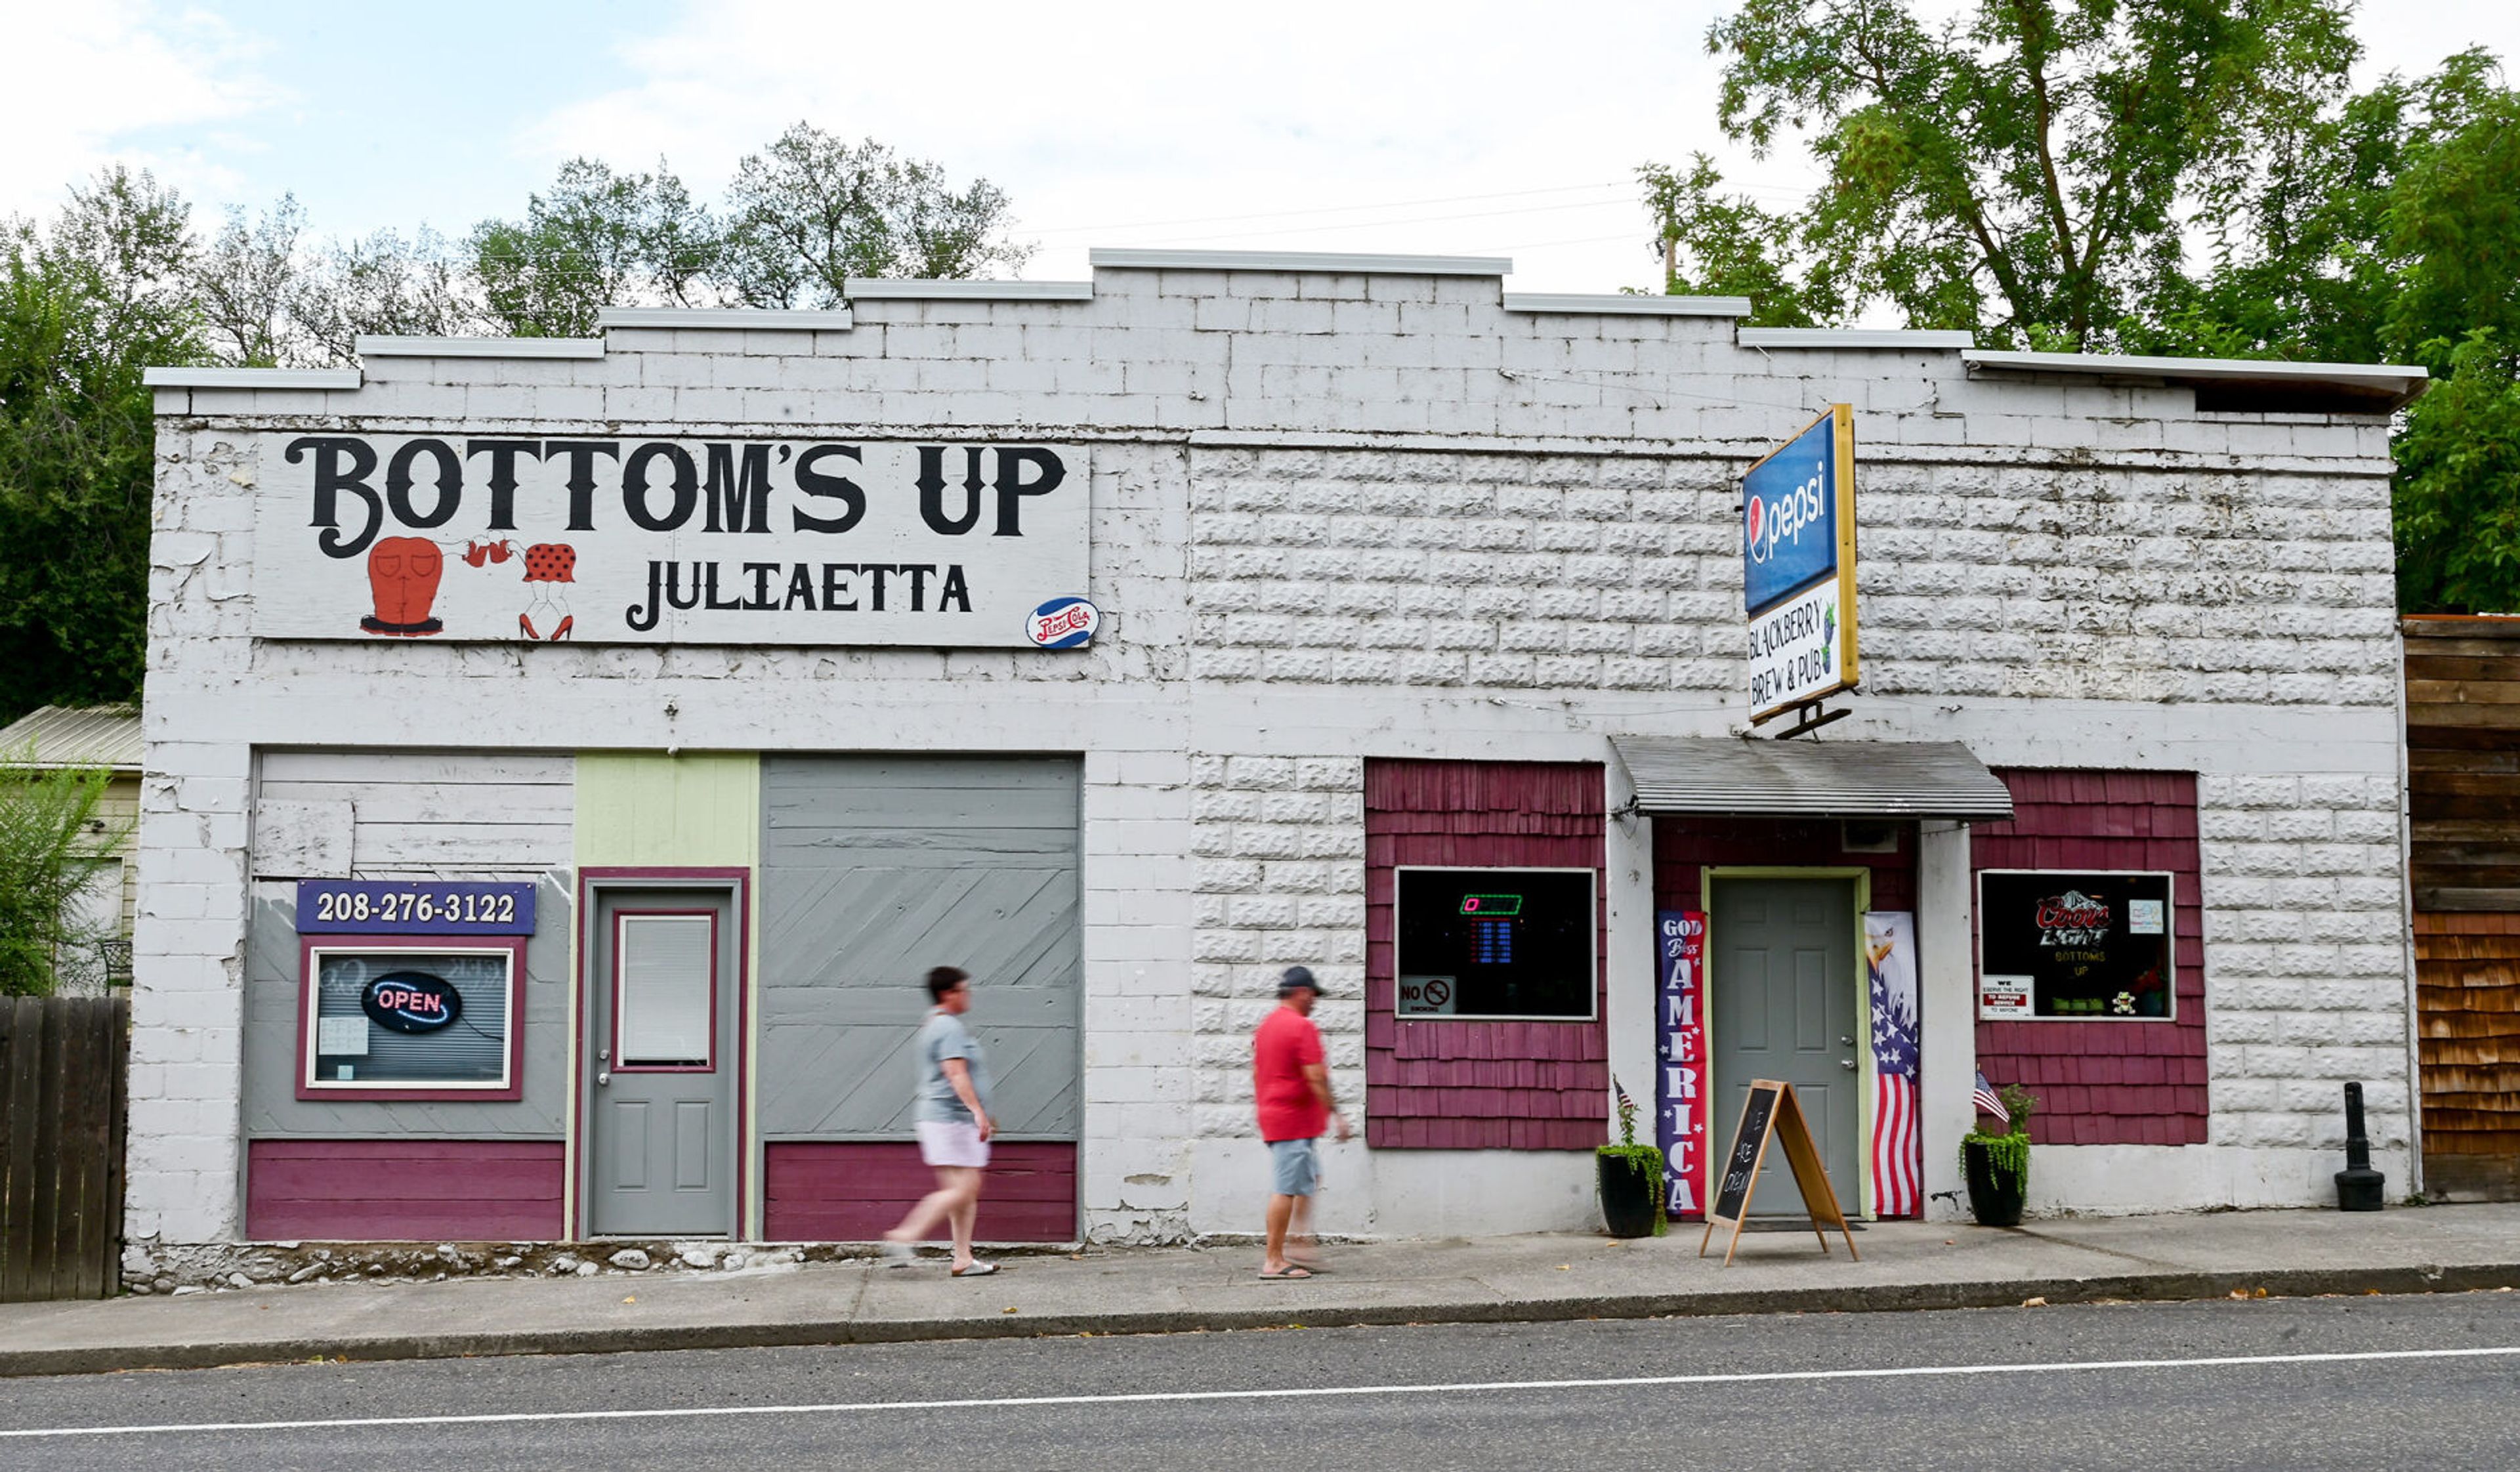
1397	573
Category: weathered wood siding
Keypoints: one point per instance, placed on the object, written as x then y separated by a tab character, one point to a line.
875	870
413	815
2463	808
407	814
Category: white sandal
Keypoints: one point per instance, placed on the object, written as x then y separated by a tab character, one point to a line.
977	1268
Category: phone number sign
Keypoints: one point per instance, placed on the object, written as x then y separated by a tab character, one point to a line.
376	907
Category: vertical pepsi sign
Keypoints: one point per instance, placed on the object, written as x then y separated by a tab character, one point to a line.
1798	566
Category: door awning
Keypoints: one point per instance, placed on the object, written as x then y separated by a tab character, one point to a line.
1725	775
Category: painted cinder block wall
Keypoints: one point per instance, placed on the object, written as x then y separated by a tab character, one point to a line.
1344	514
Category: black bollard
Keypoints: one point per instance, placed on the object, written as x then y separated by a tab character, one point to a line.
2358	1185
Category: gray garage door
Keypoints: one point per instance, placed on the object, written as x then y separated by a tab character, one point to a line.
876	869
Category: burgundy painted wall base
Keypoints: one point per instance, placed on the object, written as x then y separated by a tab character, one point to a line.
855	1192
400	1190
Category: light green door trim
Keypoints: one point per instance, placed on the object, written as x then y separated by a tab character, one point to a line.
691	809
687	810
1707	875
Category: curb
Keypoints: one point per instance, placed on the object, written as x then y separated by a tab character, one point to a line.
2149	1287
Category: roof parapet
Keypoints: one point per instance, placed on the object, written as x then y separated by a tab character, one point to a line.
478	347
898	289
328	378
2234	384
1623	304
721	319
1908	339
1326	262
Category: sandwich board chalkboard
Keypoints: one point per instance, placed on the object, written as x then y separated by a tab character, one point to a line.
1772	1110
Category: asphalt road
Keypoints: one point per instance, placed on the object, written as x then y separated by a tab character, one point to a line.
2216	1385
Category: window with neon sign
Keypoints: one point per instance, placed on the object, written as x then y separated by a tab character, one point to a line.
410	1017
1495	943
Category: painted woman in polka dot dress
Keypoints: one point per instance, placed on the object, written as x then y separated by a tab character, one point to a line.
547	564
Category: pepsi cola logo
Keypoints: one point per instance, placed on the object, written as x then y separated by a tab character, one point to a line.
1765	524
1064	623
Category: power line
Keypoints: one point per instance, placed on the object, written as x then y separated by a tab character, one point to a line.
1283	214
1439	219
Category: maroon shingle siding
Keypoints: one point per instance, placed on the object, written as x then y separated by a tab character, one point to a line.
2107	1083
403	1190
854	1191
1479	1086
1684	845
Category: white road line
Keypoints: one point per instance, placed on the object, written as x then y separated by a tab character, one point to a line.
1140	1398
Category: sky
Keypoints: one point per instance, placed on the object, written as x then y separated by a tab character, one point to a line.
1470	128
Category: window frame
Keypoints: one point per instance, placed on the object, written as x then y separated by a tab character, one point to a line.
620	978
1591	936
510	1087
2169	946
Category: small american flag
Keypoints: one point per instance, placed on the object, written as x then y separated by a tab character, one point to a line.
1983	1096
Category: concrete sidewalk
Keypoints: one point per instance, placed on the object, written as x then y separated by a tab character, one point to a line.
1905	1266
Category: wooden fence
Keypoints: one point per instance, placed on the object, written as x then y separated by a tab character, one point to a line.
2463	797
61	1103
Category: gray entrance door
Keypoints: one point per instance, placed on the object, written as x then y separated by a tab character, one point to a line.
1783	981
665	1053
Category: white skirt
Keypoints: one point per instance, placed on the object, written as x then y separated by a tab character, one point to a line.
955	1142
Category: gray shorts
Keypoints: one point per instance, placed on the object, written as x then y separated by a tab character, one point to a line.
1294	1167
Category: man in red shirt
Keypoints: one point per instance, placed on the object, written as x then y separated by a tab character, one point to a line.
1291	1083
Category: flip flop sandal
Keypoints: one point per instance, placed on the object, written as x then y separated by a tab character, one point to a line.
977	1270
1291	1274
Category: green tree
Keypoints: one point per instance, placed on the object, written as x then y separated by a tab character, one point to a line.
386	284
596	238
85	304
51	846
1733	248
2024	168
247	281
2387	230
812	210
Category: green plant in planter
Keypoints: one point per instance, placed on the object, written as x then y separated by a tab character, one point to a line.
1996	1202
2009	1154
1645	1160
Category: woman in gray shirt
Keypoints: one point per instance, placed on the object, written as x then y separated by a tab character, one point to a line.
953	1122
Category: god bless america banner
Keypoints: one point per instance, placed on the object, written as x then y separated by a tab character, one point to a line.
663	541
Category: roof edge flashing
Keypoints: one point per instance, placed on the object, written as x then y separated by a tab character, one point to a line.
2236	384
900	289
1623	304
327	379
1317	262
1929	339
370	346
712	319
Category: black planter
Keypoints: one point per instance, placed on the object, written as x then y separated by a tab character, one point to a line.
1995	1196
1628	1190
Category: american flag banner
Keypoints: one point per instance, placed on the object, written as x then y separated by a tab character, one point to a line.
1897	1132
